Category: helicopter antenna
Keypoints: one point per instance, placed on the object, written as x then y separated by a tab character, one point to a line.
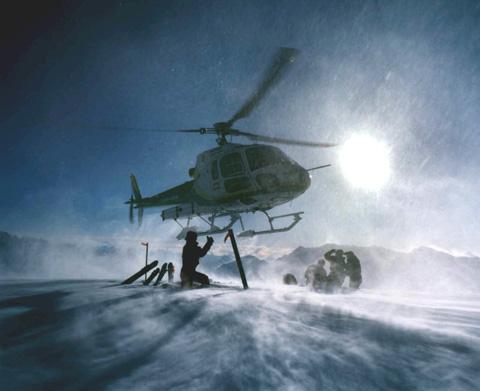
316	168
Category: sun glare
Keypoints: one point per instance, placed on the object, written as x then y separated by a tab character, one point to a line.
365	162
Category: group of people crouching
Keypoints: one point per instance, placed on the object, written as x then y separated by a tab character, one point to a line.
342	264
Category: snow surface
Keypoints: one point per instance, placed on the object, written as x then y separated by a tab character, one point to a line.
98	335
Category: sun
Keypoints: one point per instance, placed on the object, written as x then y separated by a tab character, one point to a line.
365	162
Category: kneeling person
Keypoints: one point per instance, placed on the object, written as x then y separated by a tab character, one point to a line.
316	275
191	255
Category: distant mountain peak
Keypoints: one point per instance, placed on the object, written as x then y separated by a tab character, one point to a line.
4	235
428	250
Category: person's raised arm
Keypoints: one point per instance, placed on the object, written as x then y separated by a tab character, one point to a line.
329	255
206	247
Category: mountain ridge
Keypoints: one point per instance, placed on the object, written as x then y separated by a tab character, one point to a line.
420	268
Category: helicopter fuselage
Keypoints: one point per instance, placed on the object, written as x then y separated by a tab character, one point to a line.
245	177
234	178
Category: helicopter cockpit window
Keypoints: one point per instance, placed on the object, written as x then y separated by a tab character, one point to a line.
214	170
231	165
261	156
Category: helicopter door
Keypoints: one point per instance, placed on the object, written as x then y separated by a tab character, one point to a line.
215	175
233	172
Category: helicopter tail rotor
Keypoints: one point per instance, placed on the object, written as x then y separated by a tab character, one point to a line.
139	209
140	215
134	201
130	210
135	189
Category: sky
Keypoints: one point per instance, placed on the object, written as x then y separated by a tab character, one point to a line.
406	73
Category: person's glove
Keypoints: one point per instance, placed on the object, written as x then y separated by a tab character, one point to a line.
209	239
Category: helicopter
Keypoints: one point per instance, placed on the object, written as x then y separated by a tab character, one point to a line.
232	179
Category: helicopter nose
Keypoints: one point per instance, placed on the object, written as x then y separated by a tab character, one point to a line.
304	180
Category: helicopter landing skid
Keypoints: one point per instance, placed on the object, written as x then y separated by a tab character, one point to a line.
296	219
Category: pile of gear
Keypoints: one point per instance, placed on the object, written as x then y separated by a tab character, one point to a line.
342	265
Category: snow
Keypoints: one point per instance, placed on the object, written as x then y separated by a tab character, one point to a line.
91	334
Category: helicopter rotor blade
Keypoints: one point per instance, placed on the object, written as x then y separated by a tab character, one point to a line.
230	132
281	60
155	130
226	132
279	140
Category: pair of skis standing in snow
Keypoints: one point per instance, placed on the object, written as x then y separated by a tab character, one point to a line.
159	273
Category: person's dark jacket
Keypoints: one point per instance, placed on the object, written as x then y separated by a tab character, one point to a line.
191	255
353	267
